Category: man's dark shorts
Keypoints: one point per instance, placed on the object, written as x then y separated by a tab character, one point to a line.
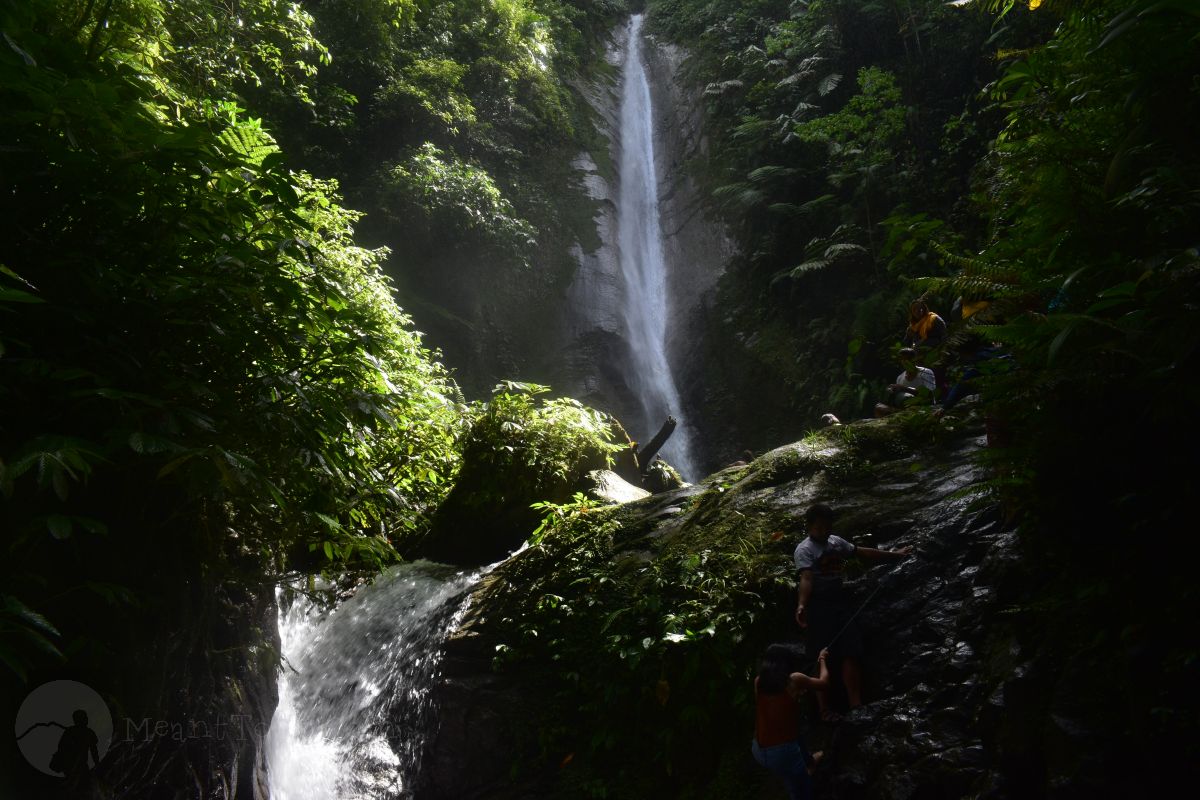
829	611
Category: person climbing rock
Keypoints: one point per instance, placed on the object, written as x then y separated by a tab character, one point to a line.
778	689
925	328
913	386
823	606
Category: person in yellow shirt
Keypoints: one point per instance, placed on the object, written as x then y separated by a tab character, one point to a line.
925	328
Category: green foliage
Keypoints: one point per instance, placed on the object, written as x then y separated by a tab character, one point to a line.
544	439
435	86
1088	258
522	451
453	124
24	633
456	199
869	125
651	647
1090	194
196	51
476	78
219	50
806	164
559	514
199	363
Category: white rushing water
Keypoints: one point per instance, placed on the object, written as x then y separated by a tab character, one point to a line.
640	242
354	705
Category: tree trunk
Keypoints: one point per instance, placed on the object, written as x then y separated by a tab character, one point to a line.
646	454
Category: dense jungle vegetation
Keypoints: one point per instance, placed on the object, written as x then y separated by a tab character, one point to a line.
206	376
1039	157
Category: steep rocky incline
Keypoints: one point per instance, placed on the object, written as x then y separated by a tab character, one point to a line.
952	708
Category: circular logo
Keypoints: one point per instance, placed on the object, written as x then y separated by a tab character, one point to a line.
63	727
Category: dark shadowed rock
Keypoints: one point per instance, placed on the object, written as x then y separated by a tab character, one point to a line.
199	727
925	630
971	692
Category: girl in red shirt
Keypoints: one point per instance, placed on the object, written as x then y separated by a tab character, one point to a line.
777	694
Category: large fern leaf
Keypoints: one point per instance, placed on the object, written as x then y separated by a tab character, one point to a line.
248	139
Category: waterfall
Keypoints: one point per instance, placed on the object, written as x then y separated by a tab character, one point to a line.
354	699
643	266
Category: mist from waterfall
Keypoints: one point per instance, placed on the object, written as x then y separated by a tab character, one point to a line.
354	699
643	266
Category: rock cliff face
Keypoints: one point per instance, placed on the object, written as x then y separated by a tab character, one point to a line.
177	638
697	245
961	702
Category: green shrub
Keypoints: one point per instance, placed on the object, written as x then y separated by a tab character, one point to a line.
520	450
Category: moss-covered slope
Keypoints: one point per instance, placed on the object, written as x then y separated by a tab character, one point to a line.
615	656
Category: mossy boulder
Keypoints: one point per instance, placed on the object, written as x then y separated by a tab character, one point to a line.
521	450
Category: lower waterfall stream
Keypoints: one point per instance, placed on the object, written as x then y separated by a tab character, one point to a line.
354	698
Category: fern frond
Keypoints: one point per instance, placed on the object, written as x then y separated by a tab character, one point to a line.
769	172
802	108
829	83
249	140
754	127
739	196
972	265
809	266
817	202
793	79
842	249
722	88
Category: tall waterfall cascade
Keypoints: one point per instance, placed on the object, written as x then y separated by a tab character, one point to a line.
354	699
643	264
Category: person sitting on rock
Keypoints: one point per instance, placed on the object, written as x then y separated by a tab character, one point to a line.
925	328
823	607
778	690
971	361
914	386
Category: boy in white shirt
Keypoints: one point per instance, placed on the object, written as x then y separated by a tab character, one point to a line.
913	382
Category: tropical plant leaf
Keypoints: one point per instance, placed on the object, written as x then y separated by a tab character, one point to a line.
829	83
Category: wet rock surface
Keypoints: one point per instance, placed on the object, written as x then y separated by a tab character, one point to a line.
926	625
973	686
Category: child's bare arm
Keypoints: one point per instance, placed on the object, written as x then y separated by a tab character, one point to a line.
821	682
803	592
